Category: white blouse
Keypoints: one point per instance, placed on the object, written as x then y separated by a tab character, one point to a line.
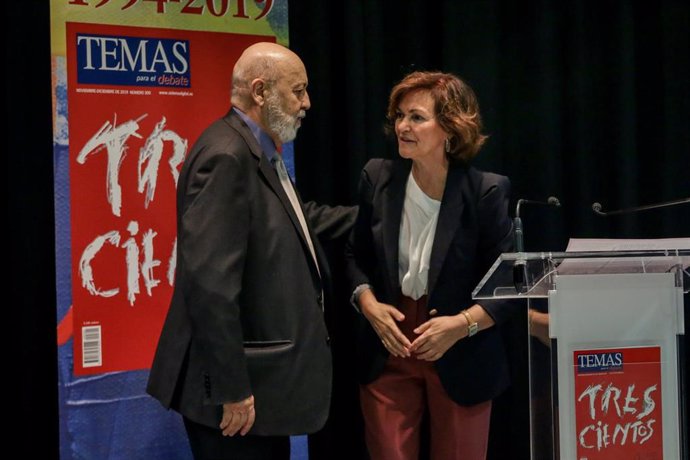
417	230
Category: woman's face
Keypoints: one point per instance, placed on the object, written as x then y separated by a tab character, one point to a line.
420	136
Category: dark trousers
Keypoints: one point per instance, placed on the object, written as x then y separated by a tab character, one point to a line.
210	444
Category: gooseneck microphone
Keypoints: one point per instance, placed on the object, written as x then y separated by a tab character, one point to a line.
520	265
597	208
517	221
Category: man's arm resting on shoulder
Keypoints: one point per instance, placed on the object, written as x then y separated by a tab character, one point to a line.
330	222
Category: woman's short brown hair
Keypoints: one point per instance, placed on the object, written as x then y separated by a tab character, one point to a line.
455	106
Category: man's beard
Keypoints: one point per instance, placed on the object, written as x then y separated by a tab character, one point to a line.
279	122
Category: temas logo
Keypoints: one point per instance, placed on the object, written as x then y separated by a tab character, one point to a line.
138	61
599	362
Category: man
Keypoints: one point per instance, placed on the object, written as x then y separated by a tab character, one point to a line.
244	352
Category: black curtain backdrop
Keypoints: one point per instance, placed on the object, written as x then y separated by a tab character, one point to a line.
584	100
587	101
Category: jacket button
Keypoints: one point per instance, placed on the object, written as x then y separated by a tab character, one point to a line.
328	340
319	299
433	312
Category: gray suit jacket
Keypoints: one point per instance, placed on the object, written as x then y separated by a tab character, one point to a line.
246	315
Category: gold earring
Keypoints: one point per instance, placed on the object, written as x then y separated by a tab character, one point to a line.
447	145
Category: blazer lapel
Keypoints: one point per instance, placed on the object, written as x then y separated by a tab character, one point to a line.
269	173
393	196
448	222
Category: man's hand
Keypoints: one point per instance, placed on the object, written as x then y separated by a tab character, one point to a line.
238	416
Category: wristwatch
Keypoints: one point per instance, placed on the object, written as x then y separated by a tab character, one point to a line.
472	325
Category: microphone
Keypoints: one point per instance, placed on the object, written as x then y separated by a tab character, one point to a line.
520	265
517	222
597	208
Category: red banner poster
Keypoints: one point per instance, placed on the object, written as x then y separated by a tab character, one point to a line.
137	97
618	403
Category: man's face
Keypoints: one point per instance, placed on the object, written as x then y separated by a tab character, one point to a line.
287	101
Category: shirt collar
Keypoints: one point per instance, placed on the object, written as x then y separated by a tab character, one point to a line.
262	137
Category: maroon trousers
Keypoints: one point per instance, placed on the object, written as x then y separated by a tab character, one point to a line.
394	404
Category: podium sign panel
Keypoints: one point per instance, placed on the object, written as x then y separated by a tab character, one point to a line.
618	403
617	365
604	349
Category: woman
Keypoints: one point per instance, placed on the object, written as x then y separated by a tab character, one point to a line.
429	227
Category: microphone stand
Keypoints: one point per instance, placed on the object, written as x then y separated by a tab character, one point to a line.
597	208
520	265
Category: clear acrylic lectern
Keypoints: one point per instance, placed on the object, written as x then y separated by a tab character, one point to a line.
606	350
